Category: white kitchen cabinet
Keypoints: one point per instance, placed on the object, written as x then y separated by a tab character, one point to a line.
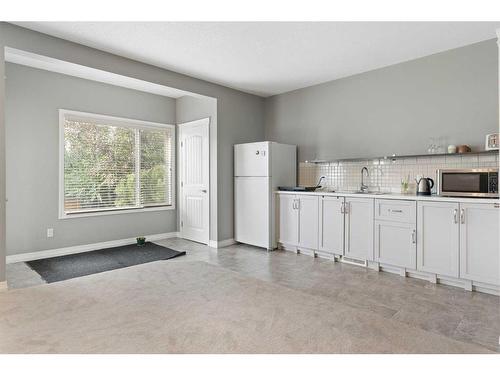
288	219
395	233
479	243
308	206
331	225
395	244
359	228
437	237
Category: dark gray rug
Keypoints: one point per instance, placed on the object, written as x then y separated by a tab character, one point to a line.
82	264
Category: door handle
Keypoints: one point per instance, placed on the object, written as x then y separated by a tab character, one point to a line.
455	214
398	211
413	236
342	208
462	216
203	190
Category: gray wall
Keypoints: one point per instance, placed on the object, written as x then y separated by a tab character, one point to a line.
32	130
239	115
3	228
395	109
189	108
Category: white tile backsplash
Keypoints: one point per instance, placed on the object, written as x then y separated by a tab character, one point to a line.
386	174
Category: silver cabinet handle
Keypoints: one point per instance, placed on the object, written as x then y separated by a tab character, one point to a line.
203	190
413	236
296	204
455	213
342	207
462	216
398	211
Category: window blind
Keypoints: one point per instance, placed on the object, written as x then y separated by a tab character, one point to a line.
111	165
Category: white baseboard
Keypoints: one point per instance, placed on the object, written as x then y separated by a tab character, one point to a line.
3	286
26	257
219	244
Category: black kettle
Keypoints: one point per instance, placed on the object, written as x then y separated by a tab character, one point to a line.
424	185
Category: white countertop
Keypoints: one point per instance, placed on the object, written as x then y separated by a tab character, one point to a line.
393	196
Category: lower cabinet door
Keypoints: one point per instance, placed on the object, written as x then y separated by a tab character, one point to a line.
359	228
395	244
331	225
479	243
308	221
288	231
437	237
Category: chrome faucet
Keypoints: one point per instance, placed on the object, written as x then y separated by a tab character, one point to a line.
318	185
363	187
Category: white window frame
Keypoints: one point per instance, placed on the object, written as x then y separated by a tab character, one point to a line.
118	121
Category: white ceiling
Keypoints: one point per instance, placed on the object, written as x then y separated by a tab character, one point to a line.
268	58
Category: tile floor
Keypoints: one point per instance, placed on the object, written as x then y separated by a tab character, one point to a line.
470	317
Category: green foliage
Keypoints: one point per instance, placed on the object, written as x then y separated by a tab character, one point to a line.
125	191
99	166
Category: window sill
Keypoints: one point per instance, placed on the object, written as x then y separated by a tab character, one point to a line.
64	216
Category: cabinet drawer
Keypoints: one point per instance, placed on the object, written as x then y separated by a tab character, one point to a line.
395	210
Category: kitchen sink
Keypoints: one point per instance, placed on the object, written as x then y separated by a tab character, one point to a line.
370	192
358	192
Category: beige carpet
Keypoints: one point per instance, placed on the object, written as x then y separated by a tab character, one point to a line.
194	307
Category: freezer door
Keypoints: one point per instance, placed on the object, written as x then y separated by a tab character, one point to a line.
252	159
251	218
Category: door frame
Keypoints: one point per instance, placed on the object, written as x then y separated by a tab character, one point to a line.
181	126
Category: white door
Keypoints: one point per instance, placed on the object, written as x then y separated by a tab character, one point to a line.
252	197
194	201
331	225
479	243
288	219
308	221
252	159
359	228
437	237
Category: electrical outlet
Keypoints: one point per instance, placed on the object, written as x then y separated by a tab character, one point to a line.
50	232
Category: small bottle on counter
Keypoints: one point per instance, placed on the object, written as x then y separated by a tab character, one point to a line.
405	185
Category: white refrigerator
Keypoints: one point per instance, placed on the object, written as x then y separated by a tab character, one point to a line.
259	168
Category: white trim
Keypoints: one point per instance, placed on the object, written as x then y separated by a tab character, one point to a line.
116	212
26	257
50	64
123	122
112	120
3	286
219	244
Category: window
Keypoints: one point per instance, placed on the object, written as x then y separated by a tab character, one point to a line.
111	164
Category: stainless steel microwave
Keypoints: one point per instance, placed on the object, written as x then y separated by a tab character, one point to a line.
470	182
